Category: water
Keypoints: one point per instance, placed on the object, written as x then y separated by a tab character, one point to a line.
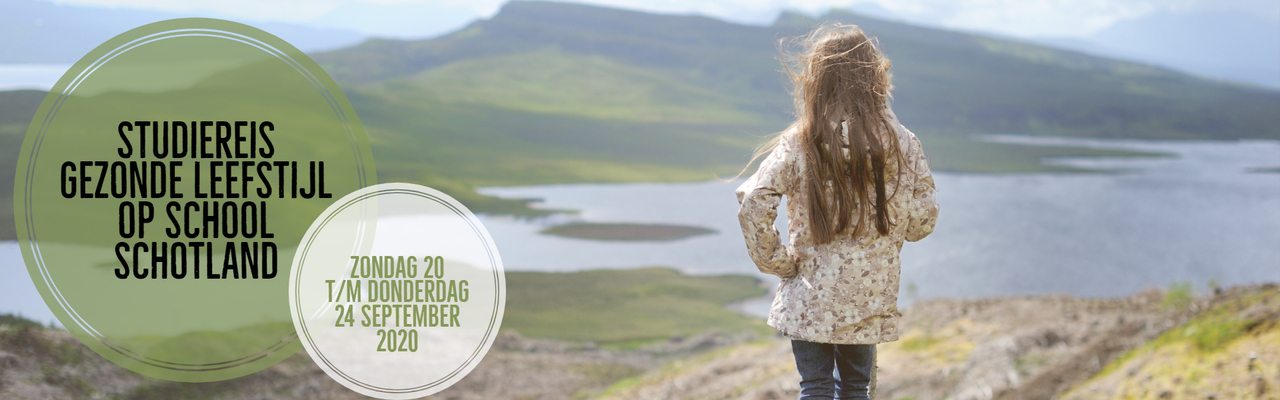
1196	217
1199	217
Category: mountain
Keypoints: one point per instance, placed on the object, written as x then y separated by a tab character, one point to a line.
1217	42
556	93
1226	45
33	31
947	82
1223	45
550	92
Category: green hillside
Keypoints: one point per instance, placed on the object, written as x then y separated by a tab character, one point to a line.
16	109
551	81
948	83
554	93
550	92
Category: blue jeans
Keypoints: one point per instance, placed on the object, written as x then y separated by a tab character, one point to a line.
851	364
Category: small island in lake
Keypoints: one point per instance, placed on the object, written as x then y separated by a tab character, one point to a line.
626	231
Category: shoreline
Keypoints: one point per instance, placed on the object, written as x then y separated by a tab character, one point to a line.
20	296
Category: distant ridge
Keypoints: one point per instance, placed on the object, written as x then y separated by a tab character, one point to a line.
642	39
947	82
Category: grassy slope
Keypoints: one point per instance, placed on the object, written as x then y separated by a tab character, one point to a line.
619	309
948	83
553	81
489	145
554	93
1029	348
16	109
597	96
1231	351
1209	354
625	308
548	92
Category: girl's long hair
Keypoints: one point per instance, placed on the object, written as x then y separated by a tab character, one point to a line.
841	82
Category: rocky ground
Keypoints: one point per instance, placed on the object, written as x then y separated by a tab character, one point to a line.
1231	351
1016	348
1002	348
41	363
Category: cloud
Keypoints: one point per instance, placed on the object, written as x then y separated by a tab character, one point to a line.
1020	18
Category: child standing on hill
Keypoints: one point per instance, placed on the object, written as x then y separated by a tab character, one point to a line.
858	185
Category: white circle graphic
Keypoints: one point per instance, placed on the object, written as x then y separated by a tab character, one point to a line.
397	291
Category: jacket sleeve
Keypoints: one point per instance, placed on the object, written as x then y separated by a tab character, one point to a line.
759	197
923	208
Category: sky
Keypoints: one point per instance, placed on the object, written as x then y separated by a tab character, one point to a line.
427	18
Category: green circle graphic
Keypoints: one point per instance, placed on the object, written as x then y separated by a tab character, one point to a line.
164	184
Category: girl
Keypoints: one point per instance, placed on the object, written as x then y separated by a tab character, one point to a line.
858	184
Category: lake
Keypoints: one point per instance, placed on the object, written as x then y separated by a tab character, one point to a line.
1199	216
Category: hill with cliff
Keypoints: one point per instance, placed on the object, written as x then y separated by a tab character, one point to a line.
559	93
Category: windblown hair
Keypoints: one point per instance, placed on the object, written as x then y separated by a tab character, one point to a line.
841	84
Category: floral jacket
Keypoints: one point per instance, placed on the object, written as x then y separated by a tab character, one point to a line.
845	291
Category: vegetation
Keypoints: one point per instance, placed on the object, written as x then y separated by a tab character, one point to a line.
25	337
957	154
625	232
1219	326
1179	295
1228	351
16	109
626	308
17	321
681	369
572	93
616	309
944	347
558	93
583	60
